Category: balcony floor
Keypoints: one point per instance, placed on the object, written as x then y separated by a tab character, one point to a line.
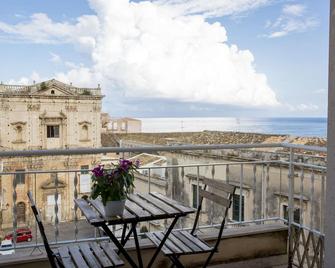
267	262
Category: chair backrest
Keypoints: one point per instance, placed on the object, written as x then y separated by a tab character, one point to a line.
222	194
51	255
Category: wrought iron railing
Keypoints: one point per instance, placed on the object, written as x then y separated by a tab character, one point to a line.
277	190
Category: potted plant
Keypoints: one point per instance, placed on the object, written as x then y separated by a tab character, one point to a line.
114	185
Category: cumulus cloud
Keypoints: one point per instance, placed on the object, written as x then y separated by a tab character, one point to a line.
293	19
145	50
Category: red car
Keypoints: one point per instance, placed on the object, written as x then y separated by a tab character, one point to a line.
22	235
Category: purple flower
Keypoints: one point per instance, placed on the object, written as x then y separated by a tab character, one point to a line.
98	171
125	164
137	163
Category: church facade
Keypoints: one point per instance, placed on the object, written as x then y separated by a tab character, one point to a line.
47	115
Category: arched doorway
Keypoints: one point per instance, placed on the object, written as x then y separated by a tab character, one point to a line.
21	212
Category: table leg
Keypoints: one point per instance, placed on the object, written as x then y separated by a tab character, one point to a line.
138	250
127	236
167	233
123	238
123	233
118	245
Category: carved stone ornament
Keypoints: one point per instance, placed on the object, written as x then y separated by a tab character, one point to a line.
18	123
71	108
96	108
84	123
33	107
4	106
51	183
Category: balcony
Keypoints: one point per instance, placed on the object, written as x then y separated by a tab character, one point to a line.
276	220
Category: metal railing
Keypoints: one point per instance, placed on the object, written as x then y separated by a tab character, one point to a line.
287	191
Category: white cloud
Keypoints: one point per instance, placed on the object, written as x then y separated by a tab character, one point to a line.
34	77
212	8
294	19
320	91
307	107
70	64
80	76
41	29
144	50
294	10
303	107
55	58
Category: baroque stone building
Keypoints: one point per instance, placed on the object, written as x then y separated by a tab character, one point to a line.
47	115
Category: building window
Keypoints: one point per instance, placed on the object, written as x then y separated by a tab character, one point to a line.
114	126
296	214
50	213
20	178
21	212
85	180
52	131
19	133
52	92
237	206
84	133
123	126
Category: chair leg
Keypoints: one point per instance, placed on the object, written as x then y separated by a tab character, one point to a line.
209	259
176	261
173	265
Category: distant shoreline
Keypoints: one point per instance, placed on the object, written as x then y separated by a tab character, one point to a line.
211	137
302	126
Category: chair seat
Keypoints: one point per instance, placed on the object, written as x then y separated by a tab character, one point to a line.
179	243
84	255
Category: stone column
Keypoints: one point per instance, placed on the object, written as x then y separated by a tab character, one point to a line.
330	189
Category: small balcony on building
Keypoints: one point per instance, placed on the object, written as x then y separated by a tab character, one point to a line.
276	218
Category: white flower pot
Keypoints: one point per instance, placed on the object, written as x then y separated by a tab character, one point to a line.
114	208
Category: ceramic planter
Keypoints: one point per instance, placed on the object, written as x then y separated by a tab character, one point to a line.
114	208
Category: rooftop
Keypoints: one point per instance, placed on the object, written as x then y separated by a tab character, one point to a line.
38	88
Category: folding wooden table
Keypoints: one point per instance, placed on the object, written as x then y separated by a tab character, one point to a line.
139	208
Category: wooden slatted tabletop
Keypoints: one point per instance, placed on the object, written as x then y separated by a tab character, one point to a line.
139	207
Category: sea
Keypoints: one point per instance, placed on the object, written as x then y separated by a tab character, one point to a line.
302	126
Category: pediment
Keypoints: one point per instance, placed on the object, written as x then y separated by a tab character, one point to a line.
54	88
60	116
18	123
55	91
84	123
51	184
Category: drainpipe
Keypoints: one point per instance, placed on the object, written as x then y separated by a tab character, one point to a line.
329	261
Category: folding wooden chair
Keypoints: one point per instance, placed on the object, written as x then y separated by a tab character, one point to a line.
181	242
83	255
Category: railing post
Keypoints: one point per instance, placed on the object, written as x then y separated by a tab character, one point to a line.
149	180
14	209
241	195
330	183
290	207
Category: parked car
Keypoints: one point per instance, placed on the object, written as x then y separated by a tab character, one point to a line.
22	235
6	247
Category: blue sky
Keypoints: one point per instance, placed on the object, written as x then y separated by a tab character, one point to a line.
171	57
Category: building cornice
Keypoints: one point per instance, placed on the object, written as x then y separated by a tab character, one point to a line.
72	97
